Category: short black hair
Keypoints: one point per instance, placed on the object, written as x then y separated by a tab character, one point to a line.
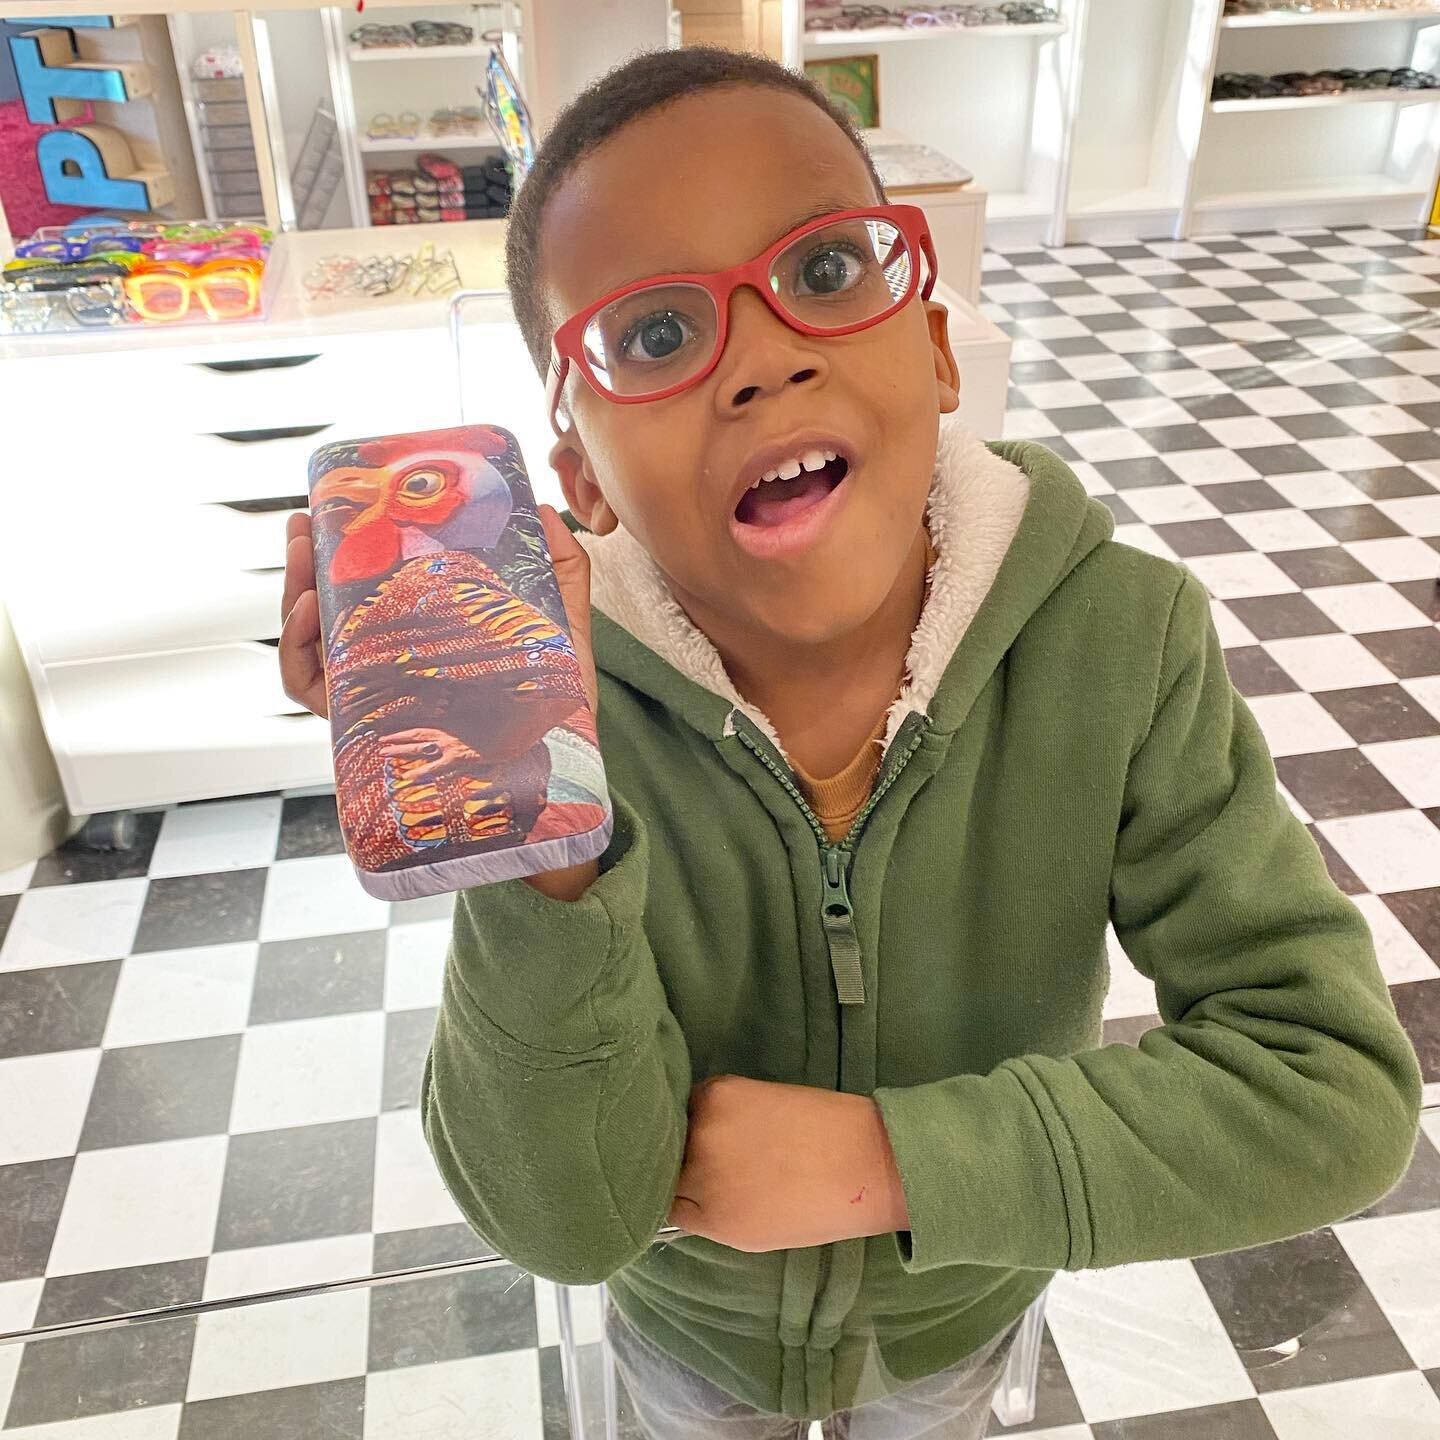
634	88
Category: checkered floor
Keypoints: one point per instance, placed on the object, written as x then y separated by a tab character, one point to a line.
210	1045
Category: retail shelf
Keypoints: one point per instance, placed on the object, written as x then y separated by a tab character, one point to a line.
427	141
1354	189
932	32
1120	202
1015	205
1312	102
1336	17
419	52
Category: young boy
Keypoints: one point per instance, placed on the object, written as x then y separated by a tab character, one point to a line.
893	729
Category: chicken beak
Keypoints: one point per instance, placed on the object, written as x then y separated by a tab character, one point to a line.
360	489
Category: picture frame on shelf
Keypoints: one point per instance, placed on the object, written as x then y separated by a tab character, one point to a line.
853	83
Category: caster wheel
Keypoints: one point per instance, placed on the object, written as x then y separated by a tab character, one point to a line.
115	830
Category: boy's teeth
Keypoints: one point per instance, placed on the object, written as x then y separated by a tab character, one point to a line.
810	460
788	469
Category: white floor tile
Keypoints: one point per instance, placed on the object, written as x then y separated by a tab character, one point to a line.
181	994
224	835
415	964
1401	557
1099	367
308	1072
1317	490
19	1300
10	1357
1228	626
486	1397
1298	725
43	1100
1168	317
1362	609
154	1422
318	895
139	1205
1411	766
68	924
1150	410
1142	1338
1304	372
1281	400
1400	956
1210	467
1349	452
1398	1256
1168	504
1026	424
1142	537
409	1192
1272	530
1246	432
275	1267
1058	394
1328	662
1419	514
16	878
1111	444
1426	689
1404	389
1241	575
1399	1407
1376	419
1132	342
1186	383
304	1341
1399	850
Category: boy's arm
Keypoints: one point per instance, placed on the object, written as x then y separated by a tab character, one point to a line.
1279	1094
554	1096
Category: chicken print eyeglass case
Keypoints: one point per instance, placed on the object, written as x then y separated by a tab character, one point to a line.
465	748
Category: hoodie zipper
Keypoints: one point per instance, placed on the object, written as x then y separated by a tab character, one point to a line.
837	914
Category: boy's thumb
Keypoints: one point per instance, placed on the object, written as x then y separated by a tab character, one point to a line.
572	574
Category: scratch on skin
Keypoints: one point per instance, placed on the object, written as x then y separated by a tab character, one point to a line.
859	1197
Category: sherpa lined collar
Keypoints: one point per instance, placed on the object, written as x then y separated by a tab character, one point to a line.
976	503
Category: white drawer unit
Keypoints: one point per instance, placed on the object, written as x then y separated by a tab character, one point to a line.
146	494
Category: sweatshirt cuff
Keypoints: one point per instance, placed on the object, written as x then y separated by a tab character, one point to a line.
986	1180
551	974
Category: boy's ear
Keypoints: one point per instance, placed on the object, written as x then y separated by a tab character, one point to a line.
947	372
577	480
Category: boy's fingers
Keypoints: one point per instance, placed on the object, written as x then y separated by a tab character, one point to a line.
302	671
572	574
299	563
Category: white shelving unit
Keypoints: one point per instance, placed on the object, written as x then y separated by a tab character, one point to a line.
1367	155
1004	110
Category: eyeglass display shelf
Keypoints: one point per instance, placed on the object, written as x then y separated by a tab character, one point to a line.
426	141
1322	17
883	33
1311	102
418	52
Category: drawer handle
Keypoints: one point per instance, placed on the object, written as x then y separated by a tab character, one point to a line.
261	507
282	432
273	362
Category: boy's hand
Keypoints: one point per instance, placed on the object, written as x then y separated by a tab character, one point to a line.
572	572
777	1167
302	667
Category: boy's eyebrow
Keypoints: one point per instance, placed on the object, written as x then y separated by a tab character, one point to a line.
816	212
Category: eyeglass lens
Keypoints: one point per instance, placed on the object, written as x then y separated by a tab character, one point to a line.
843	274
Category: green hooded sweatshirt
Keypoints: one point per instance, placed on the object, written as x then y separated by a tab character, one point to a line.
1067	753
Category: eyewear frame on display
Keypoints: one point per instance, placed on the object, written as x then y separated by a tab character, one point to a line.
149	289
82	248
567	346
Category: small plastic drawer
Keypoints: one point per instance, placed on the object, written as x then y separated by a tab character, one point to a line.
227	162
224	112
219	89
236	182
228	137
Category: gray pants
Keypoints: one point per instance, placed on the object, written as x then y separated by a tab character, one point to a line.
672	1402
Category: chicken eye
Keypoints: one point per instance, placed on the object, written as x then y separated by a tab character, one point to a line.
421	484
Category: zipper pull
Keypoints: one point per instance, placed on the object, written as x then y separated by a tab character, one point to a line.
838	917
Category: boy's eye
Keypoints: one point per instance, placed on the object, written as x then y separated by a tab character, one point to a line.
831	268
653	337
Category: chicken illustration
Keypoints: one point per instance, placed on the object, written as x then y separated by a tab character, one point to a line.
442	681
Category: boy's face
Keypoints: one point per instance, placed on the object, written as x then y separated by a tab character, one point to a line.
706	182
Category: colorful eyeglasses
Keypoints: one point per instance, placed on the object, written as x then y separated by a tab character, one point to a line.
234	244
227	289
62	247
840	273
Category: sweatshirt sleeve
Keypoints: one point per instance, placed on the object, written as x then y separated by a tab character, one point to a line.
555	1094
1279	1094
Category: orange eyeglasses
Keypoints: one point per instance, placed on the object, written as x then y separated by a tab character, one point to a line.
227	288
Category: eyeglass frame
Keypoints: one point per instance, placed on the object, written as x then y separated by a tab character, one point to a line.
567	343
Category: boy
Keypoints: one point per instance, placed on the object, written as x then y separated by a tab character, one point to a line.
893	729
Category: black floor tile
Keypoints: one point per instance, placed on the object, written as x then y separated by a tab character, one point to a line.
1337	782
120	1292
434	1245
61	1007
1405	653
1373	713
333	1410
1236	1420
1356	522
309	825
31	1197
1417	1003
1331	565
171	1091
75	864
1254	671
407	1042
188	910
321	975
1419	912
1281	617
473	1312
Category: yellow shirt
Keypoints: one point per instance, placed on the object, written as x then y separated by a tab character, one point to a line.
837	799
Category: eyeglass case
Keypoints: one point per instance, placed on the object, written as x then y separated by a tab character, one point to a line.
464	745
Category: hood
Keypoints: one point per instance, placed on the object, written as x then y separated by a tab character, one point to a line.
1008	523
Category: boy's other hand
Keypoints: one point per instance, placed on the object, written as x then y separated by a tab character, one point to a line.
302	667
780	1167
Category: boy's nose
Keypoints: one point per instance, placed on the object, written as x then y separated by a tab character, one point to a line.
762	353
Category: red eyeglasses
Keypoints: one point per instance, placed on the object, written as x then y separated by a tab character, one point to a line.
656	337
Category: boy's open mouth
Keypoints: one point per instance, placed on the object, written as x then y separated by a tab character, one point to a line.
791	489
